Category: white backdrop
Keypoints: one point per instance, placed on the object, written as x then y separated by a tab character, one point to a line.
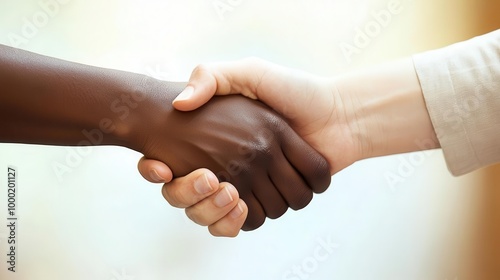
102	221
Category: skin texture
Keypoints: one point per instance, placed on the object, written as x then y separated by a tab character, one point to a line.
54	102
366	113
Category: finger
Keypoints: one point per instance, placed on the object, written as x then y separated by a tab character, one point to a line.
240	77
188	190
270	198
308	162
290	184
230	224
256	215
154	171
214	207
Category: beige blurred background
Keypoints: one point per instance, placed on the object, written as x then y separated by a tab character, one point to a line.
478	254
102	221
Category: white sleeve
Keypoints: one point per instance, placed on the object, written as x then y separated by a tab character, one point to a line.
461	87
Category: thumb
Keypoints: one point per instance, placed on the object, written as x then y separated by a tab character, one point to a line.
201	87
154	171
238	77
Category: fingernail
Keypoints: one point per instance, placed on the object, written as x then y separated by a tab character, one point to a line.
237	211
224	197
155	176
201	185
185	94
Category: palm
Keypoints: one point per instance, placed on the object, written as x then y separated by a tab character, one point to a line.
317	113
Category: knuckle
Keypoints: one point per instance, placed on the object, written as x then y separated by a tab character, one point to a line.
200	70
194	216
175	197
263	149
167	194
276	124
226	232
215	231
265	141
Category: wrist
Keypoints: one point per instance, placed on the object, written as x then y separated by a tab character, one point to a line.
387	110
130	115
126	109
144	104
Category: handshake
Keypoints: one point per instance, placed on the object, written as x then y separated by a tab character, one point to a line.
244	144
235	160
230	161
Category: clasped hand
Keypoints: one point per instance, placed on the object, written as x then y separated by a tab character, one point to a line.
244	143
304	104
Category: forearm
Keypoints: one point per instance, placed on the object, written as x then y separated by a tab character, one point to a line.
388	109
50	101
